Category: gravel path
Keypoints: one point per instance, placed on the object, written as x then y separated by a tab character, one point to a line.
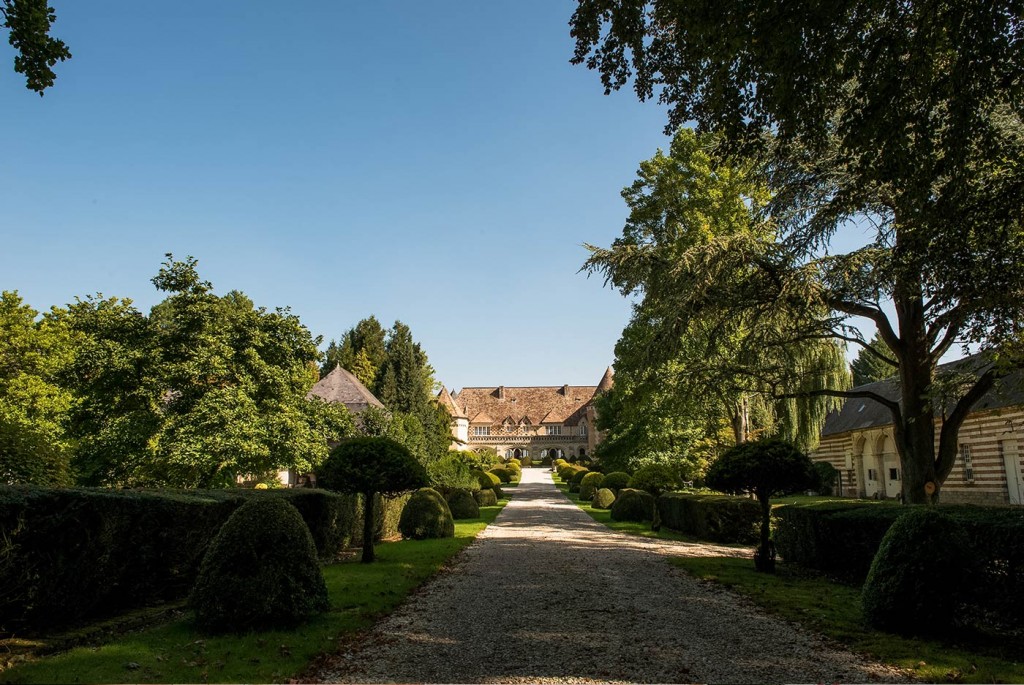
547	594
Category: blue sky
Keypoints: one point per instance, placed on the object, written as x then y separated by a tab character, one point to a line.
439	163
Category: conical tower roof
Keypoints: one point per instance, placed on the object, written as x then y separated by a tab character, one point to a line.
446	400
607	381
341	387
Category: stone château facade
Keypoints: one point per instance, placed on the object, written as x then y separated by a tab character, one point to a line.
537	422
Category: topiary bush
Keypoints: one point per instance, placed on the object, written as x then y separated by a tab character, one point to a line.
371	467
603	499
655	479
527	462
616	480
487	480
566	472
486	498
764	468
260	572
915	582
463	504
633	505
504	474
426	515
577	478
514	462
719	518
589	485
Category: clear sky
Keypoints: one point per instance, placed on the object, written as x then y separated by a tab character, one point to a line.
435	162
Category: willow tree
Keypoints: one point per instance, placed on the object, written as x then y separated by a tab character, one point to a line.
902	119
702	342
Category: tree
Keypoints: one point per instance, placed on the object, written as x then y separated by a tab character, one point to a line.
872	364
765	468
371	466
28	23
361	351
696	352
929	174
34	445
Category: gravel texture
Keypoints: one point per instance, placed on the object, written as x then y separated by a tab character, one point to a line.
547	594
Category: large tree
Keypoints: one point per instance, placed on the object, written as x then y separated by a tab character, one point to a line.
903	119
361	351
35	447
28	24
871	363
693	347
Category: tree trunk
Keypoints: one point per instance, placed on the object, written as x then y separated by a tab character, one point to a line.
741	420
368	521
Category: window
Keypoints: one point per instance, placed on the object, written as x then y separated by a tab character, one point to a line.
894	474
872	474
553	430
481	430
967	462
583	429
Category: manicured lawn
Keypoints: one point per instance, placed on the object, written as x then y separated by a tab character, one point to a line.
175	652
816	499
834	610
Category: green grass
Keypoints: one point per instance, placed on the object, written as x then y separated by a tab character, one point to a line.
816	499
834	610
175	652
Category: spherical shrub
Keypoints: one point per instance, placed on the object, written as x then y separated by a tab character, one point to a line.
616	480
555	463
486	498
260	571
589	485
426	515
577	477
487	479
633	505
603	499
504	475
527	462
462	504
921	565
655	479
513	462
498	492
566	472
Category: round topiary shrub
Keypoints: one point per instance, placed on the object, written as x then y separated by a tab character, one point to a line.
921	565
504	475
486	498
426	515
555	463
655	479
260	571
514	462
463	505
566	472
603	499
589	485
577	478
616	480
527	462
633	505
487	479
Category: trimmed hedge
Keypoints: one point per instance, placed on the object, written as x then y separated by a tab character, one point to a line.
486	498
487	479
603	499
426	515
616	480
463	504
718	518
260	572
504	474
69	555
842	539
590	484
633	505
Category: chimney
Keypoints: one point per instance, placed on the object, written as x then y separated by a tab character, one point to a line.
565	390
501	392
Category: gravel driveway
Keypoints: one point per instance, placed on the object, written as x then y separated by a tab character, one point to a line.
546	594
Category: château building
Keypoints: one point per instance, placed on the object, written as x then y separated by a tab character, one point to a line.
533	421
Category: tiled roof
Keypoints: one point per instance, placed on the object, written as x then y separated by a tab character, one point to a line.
445	399
341	387
859	413
558	404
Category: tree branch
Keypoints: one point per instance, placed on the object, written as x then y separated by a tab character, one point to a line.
892	405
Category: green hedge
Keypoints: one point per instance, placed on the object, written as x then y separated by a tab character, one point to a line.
69	555
842	539
719	518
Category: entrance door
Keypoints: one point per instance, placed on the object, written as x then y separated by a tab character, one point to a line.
1011	464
